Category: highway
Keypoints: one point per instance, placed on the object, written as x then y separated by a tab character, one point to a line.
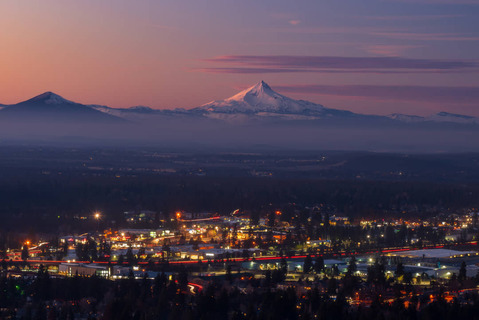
261	258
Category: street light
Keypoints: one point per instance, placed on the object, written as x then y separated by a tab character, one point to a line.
97	216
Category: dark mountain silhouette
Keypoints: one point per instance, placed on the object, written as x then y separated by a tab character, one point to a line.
50	107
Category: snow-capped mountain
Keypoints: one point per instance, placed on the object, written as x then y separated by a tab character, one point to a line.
257	116
259	102
260	98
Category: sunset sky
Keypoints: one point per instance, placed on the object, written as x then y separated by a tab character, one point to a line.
368	56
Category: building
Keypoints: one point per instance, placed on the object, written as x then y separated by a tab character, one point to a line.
71	269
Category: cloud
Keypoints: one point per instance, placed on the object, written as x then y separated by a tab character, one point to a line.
429	94
285	17
473	2
283	63
415	17
426	36
382	32
283	70
249	70
389	50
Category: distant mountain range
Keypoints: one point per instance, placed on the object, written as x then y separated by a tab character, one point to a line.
257	116
258	101
262	101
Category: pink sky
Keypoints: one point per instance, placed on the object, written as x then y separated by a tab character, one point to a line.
172	53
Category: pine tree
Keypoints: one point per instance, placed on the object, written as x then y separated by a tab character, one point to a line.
399	269
462	272
308	264
24	252
352	266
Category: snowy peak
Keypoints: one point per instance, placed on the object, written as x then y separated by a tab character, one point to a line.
257	95
50	98
261	98
141	109
259	89
405	117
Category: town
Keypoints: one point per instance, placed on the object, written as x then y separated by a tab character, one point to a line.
305	249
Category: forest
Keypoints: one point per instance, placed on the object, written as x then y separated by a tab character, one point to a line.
49	297
51	201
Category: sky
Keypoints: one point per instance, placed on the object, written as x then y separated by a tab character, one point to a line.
370	56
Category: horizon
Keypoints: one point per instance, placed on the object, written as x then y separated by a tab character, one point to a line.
261	82
374	57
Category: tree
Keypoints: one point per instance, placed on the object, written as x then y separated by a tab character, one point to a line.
319	264
278	276
399	269
326	220
267	278
79	251
245	254
129	256
24	252
407	277
183	278
120	259
92	250
166	248
284	266
229	277
376	273
335	270
65	248
308	264
462	272
352	266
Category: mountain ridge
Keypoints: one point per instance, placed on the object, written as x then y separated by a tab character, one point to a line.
49	106
259	101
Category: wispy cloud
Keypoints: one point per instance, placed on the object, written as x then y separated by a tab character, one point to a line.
251	70
286	17
283	63
430	94
415	17
390	50
287	70
426	36
379	32
473	2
